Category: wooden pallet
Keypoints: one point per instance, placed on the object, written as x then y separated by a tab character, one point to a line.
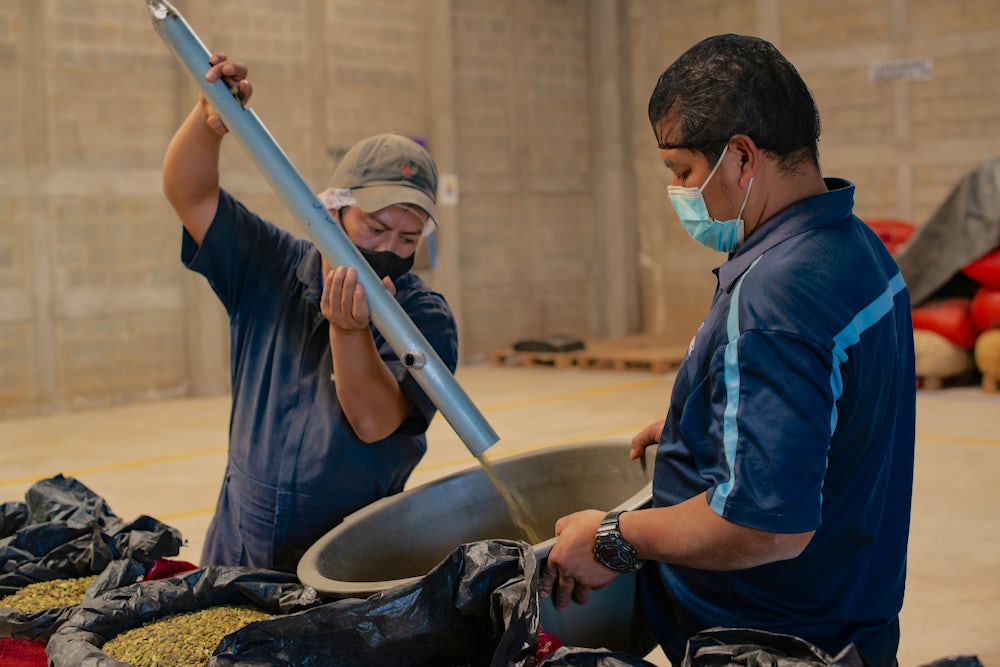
645	353
512	357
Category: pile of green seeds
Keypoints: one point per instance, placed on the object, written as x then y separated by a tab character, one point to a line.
182	639
44	595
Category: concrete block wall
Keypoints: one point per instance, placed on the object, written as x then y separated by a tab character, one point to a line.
523	105
91	307
537	106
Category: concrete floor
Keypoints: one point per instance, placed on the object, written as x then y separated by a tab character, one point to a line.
166	459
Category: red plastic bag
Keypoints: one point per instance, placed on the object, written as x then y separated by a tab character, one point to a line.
547	645
22	653
163	568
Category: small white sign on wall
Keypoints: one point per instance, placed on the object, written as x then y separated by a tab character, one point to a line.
448	190
910	69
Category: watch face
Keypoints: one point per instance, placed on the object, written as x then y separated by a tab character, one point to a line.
616	554
615	559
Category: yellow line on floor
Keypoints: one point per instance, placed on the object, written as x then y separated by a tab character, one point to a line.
138	463
959	440
167	518
584	393
461	464
624	432
120	465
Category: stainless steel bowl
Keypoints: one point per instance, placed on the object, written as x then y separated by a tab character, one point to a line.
400	538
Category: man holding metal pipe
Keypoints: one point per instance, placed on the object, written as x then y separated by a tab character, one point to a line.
325	417
783	477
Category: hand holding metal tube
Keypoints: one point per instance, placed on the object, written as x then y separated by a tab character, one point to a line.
234	75
343	301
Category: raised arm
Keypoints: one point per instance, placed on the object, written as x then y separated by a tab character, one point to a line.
191	164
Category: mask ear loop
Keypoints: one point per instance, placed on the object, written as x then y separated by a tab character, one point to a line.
746	197
714	169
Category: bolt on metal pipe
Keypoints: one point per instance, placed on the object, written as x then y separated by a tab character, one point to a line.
407	342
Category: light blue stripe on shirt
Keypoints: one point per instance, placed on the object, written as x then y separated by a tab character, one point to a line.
730	428
851	334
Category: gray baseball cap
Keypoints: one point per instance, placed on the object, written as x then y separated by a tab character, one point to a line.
386	170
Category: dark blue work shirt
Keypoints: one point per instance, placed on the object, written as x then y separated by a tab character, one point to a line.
794	411
296	467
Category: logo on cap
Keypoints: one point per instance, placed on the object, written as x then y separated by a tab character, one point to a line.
407	171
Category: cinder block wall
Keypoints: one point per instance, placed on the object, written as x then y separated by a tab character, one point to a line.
91	302
537	106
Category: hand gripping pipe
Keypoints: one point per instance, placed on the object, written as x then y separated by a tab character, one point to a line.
403	336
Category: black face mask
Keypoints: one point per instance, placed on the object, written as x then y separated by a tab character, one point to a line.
387	263
384	263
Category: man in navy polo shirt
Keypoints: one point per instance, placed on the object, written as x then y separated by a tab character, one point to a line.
325	418
783	478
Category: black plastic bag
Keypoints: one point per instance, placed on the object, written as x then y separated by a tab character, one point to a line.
13	515
65	499
477	607
567	656
39	626
747	647
956	661
71	532
66	531
116	611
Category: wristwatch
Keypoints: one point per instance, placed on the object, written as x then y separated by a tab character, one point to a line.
613	551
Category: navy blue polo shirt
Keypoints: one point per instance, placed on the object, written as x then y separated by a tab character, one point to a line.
794	411
296	467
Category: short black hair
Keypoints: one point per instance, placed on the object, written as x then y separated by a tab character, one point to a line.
736	84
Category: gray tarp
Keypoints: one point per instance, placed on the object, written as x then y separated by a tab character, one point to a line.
964	227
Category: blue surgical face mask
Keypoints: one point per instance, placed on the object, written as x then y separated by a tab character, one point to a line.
725	236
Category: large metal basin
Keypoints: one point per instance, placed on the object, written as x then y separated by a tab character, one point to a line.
400	538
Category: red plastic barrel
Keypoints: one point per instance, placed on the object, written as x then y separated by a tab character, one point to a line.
986	269
894	233
985	308
950	318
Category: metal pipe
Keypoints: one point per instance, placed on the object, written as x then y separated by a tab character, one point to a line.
407	342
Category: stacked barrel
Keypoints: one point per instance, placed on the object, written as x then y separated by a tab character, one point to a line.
953	336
